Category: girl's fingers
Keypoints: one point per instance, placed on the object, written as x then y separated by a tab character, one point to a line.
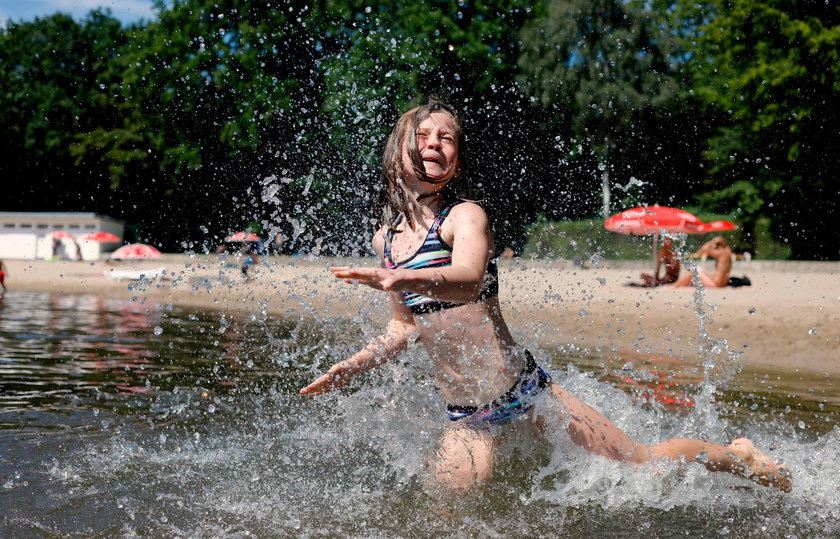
352	271
318	387
367	276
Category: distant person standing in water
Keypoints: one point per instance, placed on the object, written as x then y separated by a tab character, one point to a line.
718	249
249	250
436	250
3	275
667	260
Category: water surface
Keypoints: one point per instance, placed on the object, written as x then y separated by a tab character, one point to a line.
123	418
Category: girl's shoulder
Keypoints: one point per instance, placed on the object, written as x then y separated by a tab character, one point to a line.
466	217
467	209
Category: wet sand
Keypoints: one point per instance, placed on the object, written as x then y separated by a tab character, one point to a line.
786	325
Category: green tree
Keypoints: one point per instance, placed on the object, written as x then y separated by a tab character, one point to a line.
217	98
605	69
771	69
389	56
55	81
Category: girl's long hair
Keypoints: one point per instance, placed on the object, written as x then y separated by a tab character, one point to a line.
394	198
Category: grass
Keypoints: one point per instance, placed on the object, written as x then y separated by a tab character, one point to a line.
588	240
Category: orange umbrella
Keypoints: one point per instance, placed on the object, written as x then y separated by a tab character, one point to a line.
104	237
135	250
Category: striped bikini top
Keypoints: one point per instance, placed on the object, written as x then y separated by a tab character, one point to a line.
436	253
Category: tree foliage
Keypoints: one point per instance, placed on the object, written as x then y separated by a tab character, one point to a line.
772	71
55	76
217	114
609	71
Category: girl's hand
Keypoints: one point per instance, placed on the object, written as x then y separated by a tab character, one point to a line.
378	278
337	377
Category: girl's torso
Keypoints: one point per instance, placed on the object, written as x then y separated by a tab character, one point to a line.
475	358
434	251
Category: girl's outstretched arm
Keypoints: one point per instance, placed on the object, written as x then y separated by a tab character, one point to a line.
472	247
384	348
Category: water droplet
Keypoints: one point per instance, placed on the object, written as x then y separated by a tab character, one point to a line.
158	330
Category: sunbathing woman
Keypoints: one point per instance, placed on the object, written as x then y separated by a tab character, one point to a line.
714	248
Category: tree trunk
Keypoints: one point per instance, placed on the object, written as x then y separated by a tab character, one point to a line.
605	186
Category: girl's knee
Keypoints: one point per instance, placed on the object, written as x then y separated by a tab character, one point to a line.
464	461
459	477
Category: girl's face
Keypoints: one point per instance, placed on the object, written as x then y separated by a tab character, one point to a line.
438	147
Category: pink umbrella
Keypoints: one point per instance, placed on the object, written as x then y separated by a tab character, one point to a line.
242	236
652	221
719	226
135	250
104	237
62	235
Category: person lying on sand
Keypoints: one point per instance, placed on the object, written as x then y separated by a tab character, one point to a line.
714	248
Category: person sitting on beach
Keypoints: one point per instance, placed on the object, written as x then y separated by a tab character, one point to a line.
718	249
666	259
436	250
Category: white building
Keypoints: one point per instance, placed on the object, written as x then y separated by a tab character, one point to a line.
30	235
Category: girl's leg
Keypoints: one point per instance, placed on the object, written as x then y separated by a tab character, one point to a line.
594	432
741	458
464	459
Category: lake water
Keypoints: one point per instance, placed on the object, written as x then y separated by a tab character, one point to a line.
122	418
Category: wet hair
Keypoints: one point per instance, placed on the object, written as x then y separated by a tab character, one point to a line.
394	197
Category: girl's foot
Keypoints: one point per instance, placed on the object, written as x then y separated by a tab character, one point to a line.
759	467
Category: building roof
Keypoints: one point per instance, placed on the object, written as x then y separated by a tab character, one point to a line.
56	215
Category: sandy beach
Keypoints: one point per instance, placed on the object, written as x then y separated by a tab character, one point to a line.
786	326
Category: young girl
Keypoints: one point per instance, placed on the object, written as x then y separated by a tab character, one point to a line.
436	254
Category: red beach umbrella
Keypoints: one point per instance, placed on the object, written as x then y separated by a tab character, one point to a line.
62	235
135	250
104	237
719	226
242	236
652	221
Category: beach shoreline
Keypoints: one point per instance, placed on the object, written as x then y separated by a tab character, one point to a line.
783	327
